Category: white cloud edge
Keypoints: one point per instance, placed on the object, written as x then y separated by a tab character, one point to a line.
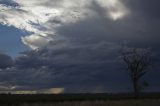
34	16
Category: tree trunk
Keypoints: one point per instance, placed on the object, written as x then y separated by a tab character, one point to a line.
136	88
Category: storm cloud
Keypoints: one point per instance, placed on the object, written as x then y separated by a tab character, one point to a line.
5	61
54	14
75	44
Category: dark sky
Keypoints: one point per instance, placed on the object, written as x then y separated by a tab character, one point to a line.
75	45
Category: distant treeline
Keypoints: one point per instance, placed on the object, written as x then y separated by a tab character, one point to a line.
47	98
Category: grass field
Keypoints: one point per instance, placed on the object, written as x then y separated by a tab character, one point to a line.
80	100
93	103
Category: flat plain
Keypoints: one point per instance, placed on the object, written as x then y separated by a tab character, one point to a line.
80	100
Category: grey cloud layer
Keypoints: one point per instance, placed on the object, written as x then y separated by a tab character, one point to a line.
5	61
82	54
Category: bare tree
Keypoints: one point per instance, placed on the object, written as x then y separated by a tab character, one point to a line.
137	61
